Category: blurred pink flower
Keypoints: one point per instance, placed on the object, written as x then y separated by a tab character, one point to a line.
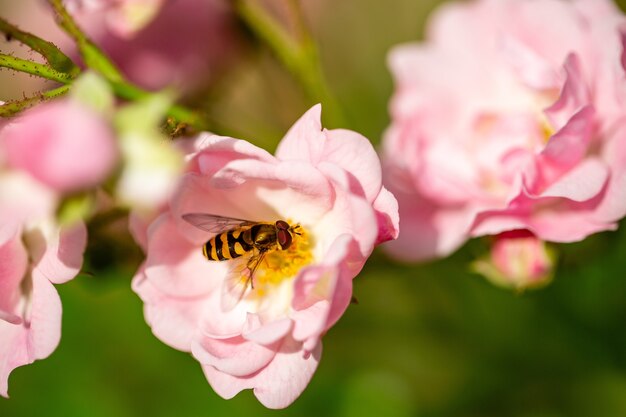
123	17
518	260
510	116
62	144
328	181
35	253
182	44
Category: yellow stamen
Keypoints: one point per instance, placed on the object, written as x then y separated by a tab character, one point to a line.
279	265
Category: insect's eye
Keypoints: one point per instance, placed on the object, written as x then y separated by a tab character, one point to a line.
282	225
284	239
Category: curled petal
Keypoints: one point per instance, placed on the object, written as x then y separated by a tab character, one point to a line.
236	356
278	384
305	140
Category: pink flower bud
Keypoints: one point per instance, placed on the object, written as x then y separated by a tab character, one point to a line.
62	145
518	260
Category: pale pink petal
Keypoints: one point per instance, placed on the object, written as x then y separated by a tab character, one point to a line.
173	320
216	151
310	322
354	153
220	324
304	192
582	182
177	267
13	264
305	140
566	148
268	333
138	224
12	352
428	230
23	198
277	385
350	215
236	356
60	257
613	206
44	318
556	226
37	337
574	95
530	67
322	293
386	207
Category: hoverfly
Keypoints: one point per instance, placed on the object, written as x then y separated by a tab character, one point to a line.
235	238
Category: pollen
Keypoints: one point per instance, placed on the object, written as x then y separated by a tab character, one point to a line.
279	265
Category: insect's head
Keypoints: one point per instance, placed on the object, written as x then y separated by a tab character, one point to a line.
283	233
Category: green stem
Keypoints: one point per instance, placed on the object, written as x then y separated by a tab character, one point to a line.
30	67
53	55
92	55
13	107
300	58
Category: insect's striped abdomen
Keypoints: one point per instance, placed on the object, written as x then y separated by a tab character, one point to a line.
225	246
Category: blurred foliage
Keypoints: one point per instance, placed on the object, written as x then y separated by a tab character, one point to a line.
432	340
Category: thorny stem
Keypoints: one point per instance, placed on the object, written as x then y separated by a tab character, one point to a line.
53	55
34	68
13	107
300	57
92	55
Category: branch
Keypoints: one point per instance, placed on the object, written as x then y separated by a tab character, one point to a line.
34	68
13	107
92	55
300	57
53	55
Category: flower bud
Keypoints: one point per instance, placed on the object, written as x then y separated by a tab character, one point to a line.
518	260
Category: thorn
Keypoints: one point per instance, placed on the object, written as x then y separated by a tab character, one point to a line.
354	300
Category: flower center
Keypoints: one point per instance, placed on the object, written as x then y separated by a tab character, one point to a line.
279	265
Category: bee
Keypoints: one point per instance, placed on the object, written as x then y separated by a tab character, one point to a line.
237	238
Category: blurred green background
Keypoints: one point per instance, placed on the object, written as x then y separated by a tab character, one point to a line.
432	340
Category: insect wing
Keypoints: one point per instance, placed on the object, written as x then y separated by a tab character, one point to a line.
239	279
215	224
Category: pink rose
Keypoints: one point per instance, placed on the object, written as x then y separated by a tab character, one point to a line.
509	117
35	253
328	182
62	144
